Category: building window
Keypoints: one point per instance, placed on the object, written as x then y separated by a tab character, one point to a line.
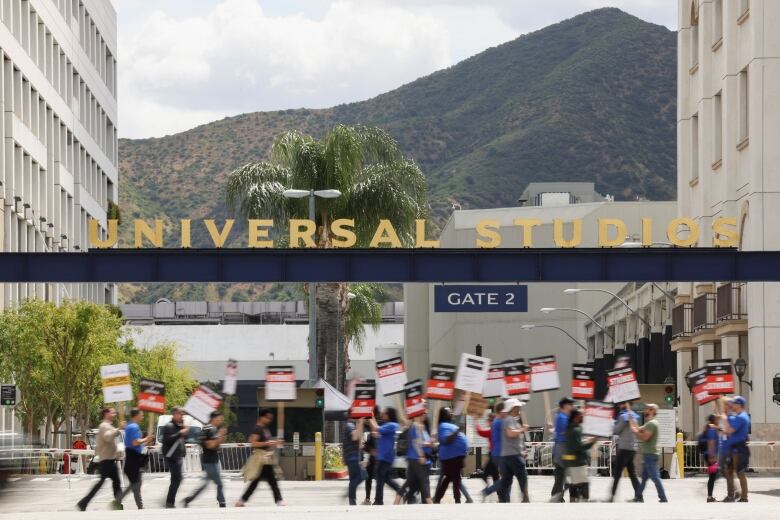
744	108
694	47
717	24
695	148
717	127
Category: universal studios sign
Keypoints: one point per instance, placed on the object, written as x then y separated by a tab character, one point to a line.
681	232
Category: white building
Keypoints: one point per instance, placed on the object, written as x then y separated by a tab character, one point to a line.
435	337
728	130
58	159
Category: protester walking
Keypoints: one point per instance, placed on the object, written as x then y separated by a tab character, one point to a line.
708	444
385	453
495	456
576	458
350	441
626	449
490	471
262	464
369	450
453	448
513	451
211	438
558	429
173	447
106	451
648	434
418	462
134	455
737	428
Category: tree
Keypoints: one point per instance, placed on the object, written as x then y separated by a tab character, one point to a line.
361	308
376	183
158	362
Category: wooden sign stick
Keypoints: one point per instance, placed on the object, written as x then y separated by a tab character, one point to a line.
280	420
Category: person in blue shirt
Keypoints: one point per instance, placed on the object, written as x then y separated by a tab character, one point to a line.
453	447
134	448
737	428
385	452
558	429
418	462
495	455
709	438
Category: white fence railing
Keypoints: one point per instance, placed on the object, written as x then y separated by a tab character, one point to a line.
765	457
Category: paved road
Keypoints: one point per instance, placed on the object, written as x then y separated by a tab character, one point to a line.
55	498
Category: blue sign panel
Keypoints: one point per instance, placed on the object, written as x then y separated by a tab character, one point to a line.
481	298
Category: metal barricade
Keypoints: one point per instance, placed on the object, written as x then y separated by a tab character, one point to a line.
764	457
44	461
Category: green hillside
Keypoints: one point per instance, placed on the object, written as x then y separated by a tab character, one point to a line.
589	99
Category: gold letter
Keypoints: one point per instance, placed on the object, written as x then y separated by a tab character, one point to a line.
94	236
339	229
576	238
647	232
528	224
385	234
725	227
306	234
143	230
186	236
219	237
604	225
419	236
693	235
257	230
488	229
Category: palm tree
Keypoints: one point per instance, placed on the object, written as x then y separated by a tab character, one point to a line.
361	308
375	180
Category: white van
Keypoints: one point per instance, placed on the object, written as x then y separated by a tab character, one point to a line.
195	426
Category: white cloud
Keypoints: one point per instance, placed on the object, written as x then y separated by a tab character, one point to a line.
187	62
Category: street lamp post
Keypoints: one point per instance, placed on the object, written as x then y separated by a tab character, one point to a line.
532	326
548	310
323	194
618	298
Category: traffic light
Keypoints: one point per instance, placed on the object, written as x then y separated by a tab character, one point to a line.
491	402
669	395
319	401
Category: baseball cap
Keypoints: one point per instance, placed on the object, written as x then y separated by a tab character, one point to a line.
738	399
511	403
564	401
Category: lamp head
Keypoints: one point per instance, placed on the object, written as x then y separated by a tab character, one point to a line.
572	291
327	194
547	310
740	367
528	326
295	194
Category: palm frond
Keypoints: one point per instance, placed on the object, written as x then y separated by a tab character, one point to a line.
362	309
256	191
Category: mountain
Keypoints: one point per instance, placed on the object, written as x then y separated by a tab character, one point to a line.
592	98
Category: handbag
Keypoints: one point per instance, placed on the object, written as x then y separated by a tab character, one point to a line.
255	462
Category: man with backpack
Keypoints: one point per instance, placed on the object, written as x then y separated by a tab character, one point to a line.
211	438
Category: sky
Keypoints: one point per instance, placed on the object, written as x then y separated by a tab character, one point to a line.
183	63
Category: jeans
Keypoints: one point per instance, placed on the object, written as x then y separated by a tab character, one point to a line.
268	474
650	472
513	466
356	476
212	470
174	466
559	472
418	479
497	487
384	472
624	460
133	464
107	470
491	469
451	473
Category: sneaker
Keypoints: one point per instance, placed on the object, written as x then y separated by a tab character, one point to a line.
366	502
281	503
742	500
728	499
240	503
484	496
637	500
116	505
526	500
469	500
81	506
663	501
711	499
186	502
222	505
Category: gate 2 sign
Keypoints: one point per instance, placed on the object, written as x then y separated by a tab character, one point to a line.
481	298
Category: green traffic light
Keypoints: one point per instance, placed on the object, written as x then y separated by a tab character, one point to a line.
319	403
669	399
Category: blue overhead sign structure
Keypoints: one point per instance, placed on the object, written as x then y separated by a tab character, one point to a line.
392	265
480	298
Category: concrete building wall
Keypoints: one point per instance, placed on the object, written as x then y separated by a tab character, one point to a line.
728	127
443	337
58	157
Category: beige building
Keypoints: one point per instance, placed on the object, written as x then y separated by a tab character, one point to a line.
58	158
437	337
728	130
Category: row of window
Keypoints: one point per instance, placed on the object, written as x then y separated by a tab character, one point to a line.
743	7
50	58
743	95
50	130
77	17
